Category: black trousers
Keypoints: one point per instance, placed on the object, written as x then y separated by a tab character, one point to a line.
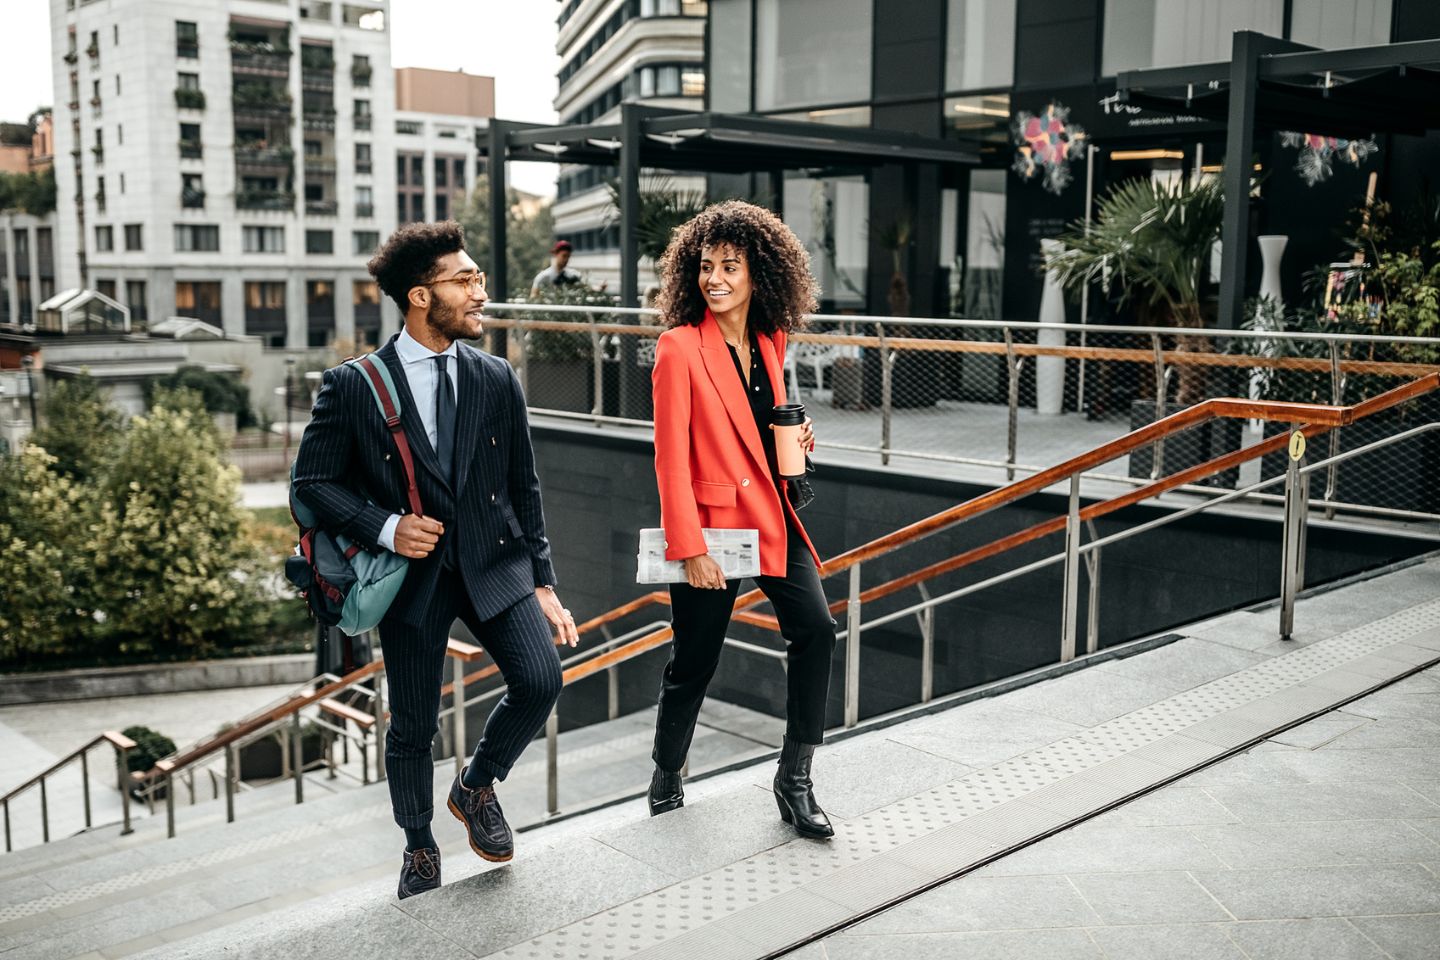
700	618
521	643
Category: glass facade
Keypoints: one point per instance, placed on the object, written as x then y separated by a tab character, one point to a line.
729	55
829	216
1340	23
979	44
1172	33
811	52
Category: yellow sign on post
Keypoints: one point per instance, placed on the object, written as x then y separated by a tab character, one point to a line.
1297	445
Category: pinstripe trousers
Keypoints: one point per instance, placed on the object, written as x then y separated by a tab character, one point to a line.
518	639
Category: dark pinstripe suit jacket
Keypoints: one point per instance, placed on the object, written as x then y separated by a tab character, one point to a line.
348	471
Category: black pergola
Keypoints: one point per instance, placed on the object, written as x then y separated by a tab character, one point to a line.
648	137
1281	85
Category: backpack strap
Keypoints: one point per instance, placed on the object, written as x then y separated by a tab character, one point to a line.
377	375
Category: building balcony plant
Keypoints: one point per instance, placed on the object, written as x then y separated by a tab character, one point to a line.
317	59
93	51
191	150
259	155
318	163
323	208
360	76
192	199
95	102
99	153
264	200
363	169
362	121
72	57
261	96
187	49
188	99
73	105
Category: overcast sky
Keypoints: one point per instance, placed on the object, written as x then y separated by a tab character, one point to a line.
512	41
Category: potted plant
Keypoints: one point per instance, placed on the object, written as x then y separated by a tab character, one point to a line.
559	364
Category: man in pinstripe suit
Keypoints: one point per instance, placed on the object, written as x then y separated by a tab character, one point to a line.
479	553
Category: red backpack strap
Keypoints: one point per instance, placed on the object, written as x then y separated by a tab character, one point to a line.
388	409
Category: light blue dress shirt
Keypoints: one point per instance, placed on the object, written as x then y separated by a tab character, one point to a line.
418	362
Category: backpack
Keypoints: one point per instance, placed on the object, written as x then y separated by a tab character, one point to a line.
345	585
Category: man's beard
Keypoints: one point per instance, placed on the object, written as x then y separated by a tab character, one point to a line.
447	321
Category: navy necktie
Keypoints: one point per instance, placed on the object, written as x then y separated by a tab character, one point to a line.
445	419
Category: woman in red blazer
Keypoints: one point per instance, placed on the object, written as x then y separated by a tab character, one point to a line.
736	280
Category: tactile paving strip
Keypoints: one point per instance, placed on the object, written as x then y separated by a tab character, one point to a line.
791	893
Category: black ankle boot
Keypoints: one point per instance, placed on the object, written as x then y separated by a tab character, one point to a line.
793	792
666	792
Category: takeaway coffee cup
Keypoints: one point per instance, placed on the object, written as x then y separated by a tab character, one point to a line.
789	418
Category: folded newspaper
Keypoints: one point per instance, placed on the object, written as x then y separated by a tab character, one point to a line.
737	552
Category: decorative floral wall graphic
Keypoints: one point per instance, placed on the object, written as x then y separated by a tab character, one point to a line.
1318	154
1046	144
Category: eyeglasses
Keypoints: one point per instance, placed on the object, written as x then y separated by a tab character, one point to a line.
474	282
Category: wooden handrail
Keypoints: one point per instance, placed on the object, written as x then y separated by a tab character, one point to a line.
1171	357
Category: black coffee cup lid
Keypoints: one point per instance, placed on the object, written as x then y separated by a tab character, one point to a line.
788	414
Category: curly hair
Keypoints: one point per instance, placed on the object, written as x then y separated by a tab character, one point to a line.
784	290
408	258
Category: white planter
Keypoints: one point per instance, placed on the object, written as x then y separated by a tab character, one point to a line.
1050	371
1272	249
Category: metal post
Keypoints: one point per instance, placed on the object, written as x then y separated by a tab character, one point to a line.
1293	543
522	356
28	362
552	761
1012	366
297	758
1162	383
927	648
632	386
887	364
1092	611
1090	151
612	682
1337	397
852	650
44	812
379	703
123	777
1072	573
85	784
289	385
497	274
1239	145
597	361
7	826
169	805
457	715
229	783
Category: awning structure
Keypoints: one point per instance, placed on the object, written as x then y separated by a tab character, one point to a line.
1273	84
647	137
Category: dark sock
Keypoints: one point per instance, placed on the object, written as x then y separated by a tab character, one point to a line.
474	778
419	837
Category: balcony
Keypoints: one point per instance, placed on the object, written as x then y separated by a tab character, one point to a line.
192	199
364	210
363	167
317	58
253	156
362	121
72	58
317	163
189	99
264	200
319	118
191	150
259	59
360	76
99	203
261	100
93	52
187	49
74	105
99	153
322	208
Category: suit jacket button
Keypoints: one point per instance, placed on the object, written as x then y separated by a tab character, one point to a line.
387	456
745	482
492	498
492	441
502	541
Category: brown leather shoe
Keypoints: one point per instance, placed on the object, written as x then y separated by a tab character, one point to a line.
419	872
484	821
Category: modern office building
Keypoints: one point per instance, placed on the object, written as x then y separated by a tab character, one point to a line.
220	160
981	72
614	51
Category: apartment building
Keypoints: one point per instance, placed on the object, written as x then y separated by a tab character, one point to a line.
440	116
220	159
613	52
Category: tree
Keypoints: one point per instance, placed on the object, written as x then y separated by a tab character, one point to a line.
81	428
663	208
221	392
42	557
32	193
173	570
528	237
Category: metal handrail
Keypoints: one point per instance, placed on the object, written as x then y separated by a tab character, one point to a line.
122	746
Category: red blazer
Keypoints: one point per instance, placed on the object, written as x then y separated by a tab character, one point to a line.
709	461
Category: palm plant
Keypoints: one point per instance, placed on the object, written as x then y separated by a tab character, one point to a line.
1149	244
663	207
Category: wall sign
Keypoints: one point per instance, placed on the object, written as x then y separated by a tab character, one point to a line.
1046	144
1318	154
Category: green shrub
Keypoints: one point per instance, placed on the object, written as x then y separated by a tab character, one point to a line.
150	747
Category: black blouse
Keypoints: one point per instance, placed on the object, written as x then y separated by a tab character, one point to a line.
762	403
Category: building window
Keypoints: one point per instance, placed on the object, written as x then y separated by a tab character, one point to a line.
190	141
117	84
1330	25
362	114
319	312
364	202
263	239
187	39
135	300
458	165
1171	33
365	242
106	288
362	158
134	236
366	298
265	311
319	241
407	128
187	81
834	232
442	172
442	206
811	52
192	191
104	238
199	299
197	238
360	70
979	44
366	18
